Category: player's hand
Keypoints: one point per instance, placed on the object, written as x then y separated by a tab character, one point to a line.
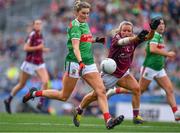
154	23
100	40
171	54
46	50
81	67
142	35
40	47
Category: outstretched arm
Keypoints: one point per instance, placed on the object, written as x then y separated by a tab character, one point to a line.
126	40
140	37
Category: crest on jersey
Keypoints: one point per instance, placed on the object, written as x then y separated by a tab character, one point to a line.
146	74
73	71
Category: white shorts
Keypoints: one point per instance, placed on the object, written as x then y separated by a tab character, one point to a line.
31	68
149	73
110	81
72	69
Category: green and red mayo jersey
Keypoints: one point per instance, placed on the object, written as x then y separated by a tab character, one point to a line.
81	31
152	60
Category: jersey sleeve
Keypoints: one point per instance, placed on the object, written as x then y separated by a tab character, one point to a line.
75	32
42	37
154	40
115	39
30	38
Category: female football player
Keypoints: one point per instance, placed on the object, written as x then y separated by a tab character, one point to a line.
80	63
33	64
122	49
153	67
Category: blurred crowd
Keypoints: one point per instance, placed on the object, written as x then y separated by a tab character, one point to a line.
105	16
6	3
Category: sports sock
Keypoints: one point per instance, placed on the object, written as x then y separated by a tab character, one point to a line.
107	116
79	110
37	93
9	99
41	101
118	90
135	112
174	109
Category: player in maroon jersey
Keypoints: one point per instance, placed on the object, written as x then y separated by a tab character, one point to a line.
122	50
34	63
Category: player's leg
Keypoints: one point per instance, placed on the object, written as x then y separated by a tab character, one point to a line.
147	76
69	81
92	96
77	112
144	83
117	90
62	95
43	75
131	84
22	81
109	82
165	83
111	85
89	98
95	81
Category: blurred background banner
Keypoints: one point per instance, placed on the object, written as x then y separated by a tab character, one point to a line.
16	18
149	111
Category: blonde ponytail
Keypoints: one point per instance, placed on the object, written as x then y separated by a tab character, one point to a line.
78	5
115	31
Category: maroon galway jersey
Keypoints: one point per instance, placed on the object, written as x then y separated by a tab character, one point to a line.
123	55
35	57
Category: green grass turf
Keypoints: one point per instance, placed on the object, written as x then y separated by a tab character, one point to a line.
47	123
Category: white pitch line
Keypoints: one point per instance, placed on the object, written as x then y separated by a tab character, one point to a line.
49	124
83	125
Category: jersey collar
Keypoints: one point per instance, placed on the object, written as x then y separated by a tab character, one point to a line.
158	33
79	22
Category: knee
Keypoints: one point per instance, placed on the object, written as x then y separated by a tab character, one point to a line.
45	83
100	91
142	90
63	98
169	90
136	90
22	84
94	96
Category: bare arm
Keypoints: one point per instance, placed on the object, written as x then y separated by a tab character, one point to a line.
45	49
29	48
154	49
75	44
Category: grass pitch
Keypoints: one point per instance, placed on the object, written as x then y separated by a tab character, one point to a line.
47	123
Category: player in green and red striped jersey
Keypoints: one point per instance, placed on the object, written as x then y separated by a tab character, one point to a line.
80	63
153	67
